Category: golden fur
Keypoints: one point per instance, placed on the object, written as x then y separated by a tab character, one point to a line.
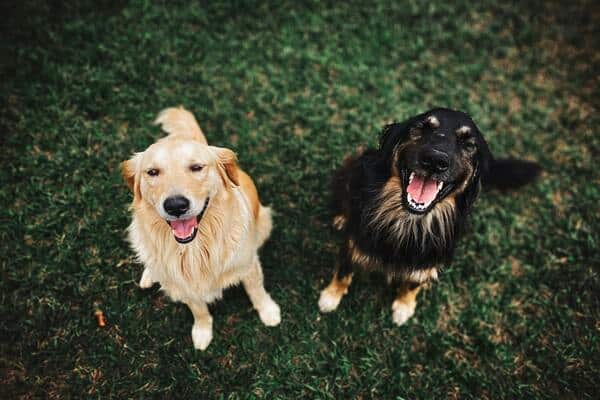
369	263
232	228
405	303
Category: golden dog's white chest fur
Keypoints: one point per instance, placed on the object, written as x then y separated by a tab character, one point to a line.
218	258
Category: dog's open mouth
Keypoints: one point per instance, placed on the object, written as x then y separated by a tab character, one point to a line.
185	230
423	192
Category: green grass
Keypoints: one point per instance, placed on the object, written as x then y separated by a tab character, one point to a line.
292	88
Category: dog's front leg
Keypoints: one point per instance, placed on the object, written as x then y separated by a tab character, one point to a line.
338	287
404	306
146	281
268	310
202	329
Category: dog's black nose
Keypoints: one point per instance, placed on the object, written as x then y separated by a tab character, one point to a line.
176	205
434	160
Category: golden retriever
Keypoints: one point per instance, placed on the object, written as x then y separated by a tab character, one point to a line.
197	222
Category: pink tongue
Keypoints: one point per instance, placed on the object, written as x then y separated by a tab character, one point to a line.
183	228
422	190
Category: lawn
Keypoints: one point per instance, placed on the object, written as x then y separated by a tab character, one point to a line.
292	87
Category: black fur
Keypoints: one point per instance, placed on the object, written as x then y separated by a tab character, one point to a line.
358	186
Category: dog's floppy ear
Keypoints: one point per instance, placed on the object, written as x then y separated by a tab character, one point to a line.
392	134
397	132
485	157
227	164
129	171
481	164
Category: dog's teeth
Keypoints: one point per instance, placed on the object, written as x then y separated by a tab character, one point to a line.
411	177
440	185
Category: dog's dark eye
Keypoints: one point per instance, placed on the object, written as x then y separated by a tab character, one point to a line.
196	167
469	145
416	132
153	172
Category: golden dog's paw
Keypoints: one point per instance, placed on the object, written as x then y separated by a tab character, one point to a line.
401	312
270	314
201	336
146	281
329	300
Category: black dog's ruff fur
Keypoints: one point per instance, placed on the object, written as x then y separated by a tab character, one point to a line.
401	208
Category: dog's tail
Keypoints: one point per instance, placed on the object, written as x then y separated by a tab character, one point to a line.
508	173
264	224
179	121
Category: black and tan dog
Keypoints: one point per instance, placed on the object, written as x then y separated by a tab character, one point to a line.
401	208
